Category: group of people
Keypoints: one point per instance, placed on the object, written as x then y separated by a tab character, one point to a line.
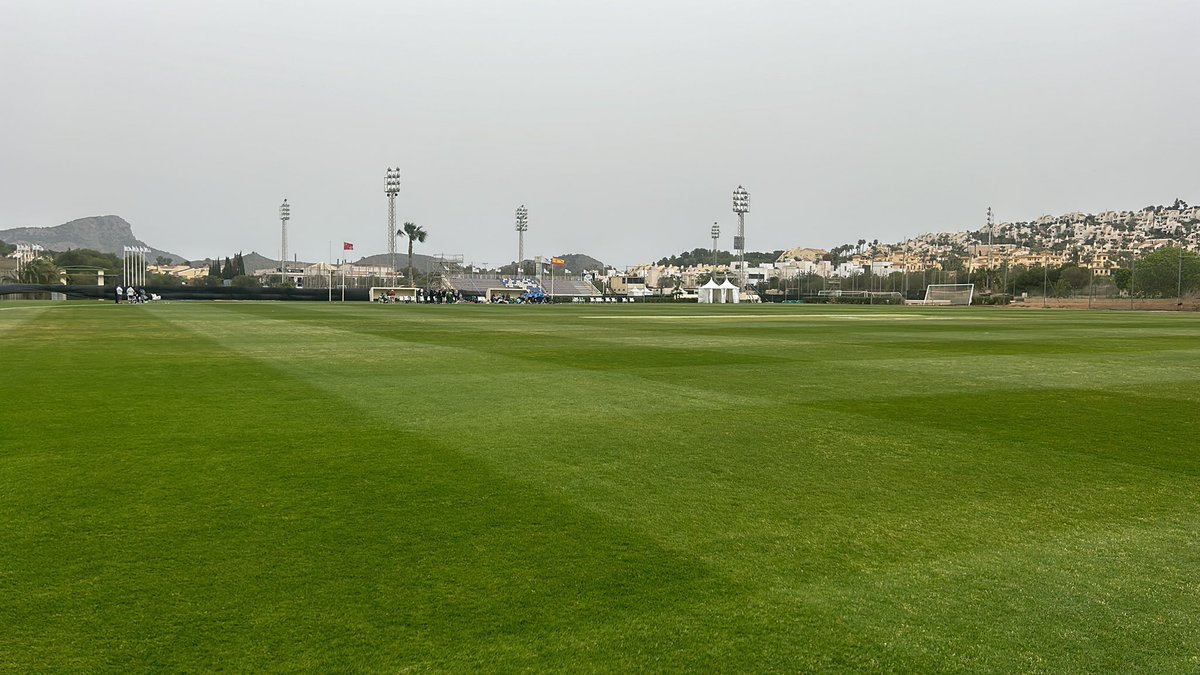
523	299
131	295
425	296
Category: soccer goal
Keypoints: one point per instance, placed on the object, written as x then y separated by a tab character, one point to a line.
862	297
949	294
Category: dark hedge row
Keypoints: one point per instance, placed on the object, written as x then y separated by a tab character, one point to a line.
84	292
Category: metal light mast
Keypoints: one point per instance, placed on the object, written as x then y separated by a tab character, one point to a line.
285	214
522	227
741	206
991	224
391	188
716	234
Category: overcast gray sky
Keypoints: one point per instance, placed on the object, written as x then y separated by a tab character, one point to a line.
623	125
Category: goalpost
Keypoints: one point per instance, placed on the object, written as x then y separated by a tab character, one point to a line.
949	294
862	297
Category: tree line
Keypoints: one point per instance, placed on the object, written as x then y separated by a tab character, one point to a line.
706	256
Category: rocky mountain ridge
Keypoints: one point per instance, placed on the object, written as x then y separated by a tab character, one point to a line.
107	234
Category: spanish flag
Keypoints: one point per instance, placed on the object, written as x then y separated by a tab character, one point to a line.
557	261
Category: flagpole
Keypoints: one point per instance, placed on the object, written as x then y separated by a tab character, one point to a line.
329	260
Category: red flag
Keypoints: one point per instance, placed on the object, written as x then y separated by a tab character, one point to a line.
347	246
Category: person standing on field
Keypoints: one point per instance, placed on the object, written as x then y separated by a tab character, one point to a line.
119	292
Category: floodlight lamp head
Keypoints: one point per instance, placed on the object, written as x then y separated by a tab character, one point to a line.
522	219
716	231
741	200
285	211
392	181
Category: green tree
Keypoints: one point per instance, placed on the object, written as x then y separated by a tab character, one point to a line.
89	260
1166	273
414	234
40	271
705	256
1076	277
1121	278
5	249
163	280
697	256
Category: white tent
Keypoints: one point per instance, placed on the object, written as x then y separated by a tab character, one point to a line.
729	292
710	293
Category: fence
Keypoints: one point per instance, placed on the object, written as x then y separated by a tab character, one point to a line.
92	292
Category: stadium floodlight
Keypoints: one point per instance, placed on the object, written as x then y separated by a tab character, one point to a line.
522	228
285	214
716	234
391	182
741	206
949	294
991	225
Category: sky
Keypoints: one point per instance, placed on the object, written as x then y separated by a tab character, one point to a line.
622	125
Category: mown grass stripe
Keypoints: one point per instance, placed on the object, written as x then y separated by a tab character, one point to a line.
386	488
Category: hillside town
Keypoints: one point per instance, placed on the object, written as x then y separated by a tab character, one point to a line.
1098	243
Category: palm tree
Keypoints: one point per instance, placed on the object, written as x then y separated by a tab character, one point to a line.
414	234
40	271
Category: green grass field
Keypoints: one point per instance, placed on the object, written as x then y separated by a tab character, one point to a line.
288	486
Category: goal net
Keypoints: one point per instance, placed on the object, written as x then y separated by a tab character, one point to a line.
949	294
863	297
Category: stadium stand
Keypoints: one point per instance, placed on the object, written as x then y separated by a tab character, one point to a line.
574	288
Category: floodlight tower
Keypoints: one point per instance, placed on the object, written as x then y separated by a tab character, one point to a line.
391	182
522	227
716	234
741	206
285	214
991	225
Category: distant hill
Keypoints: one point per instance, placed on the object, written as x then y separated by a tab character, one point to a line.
420	262
255	262
573	263
578	262
107	234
